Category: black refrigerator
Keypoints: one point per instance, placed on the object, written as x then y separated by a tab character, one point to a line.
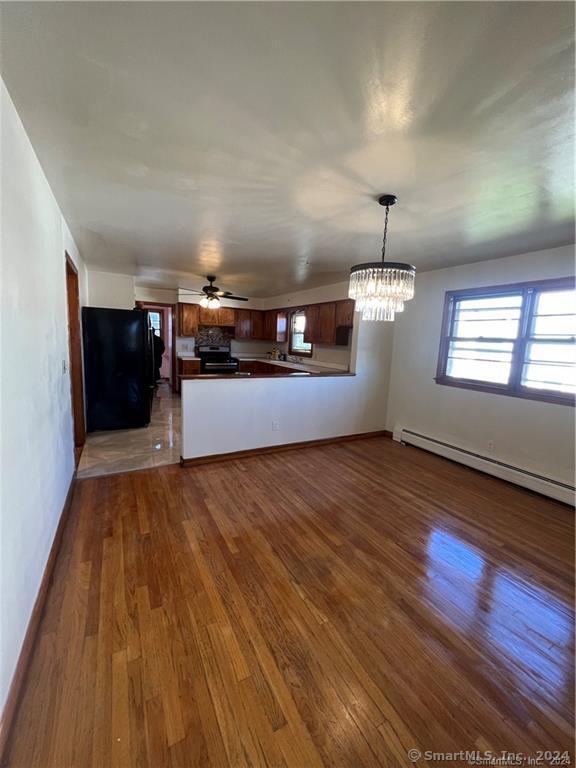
118	368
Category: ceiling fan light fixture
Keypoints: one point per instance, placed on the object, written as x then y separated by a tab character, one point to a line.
380	288
210	302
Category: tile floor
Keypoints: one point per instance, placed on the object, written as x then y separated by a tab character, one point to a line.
122	450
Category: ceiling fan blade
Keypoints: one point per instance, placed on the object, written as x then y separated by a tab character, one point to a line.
191	290
232	297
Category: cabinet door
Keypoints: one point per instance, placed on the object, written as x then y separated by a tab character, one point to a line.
226	316
257	319
209	316
243	324
188	315
312	317
325	332
189	367
345	313
281	326
270	319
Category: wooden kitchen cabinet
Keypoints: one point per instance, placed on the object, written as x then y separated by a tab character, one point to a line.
275	325
321	324
188	319
270	319
208	316
223	316
329	323
312	313
281	327
243	324
257	321
226	316
189	367
186	368
345	313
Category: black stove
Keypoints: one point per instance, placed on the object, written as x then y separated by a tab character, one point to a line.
216	358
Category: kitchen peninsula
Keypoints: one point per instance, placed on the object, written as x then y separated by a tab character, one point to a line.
306	340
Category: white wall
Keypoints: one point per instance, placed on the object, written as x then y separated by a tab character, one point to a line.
307	408
111	290
529	434
36	440
162	295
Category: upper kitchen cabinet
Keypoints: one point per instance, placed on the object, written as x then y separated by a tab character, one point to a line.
226	316
188	319
257	321
345	313
321	324
223	316
243	324
329	323
275	325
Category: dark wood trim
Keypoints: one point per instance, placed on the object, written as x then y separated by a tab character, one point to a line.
556	282
173	358
514	387
525	394
174	362
19	677
216	457
75	355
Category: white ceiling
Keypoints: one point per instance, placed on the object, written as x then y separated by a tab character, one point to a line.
250	139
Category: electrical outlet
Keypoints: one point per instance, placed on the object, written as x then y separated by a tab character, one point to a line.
490	445
275	426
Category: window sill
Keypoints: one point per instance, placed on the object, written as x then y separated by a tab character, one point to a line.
525	394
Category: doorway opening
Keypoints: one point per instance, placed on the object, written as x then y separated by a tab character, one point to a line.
162	319
75	356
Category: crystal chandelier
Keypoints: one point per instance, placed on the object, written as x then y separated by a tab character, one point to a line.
380	288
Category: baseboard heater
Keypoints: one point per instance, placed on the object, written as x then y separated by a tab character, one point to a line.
545	485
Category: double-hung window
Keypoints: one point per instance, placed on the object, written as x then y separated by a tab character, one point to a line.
297	345
515	340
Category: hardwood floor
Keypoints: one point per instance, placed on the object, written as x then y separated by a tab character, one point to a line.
334	606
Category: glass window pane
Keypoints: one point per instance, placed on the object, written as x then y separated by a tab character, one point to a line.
493	317
499	351
554	326
559	378
556	302
299	322
493	302
478	370
542	352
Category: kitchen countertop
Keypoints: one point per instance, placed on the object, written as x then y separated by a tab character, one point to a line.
240	376
301	367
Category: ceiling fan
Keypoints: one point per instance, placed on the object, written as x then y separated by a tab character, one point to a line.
211	294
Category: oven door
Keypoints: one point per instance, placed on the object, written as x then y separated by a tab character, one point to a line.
219	367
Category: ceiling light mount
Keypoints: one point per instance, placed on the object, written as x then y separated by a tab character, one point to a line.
380	288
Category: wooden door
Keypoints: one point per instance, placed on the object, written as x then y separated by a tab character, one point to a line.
243	324
189	315
75	357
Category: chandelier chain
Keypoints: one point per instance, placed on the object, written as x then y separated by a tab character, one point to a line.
385	234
